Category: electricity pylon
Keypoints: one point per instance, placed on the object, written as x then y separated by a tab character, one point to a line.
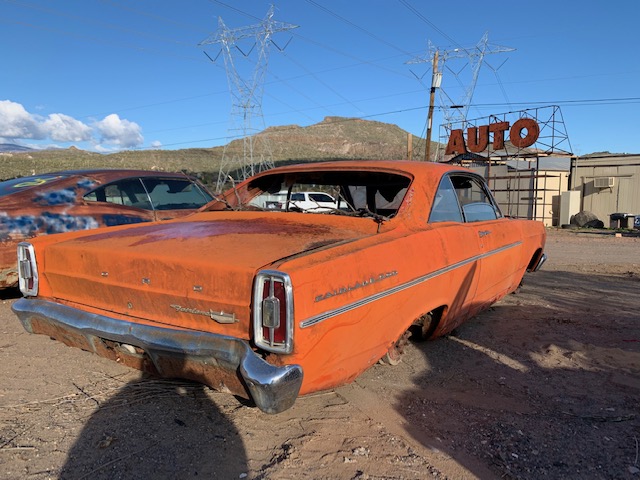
455	111
246	91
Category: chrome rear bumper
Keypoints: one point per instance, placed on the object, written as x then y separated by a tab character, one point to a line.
220	361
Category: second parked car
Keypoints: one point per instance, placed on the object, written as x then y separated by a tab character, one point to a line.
85	199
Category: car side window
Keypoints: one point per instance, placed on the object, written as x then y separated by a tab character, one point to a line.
175	194
475	199
129	192
463	198
445	204
320	197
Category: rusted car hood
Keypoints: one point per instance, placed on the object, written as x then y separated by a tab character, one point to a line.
205	263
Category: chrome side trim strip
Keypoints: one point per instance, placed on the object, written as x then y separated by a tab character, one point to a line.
398	288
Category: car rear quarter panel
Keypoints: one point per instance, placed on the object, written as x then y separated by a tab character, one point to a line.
352	303
534	237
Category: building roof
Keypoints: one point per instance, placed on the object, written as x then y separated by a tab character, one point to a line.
555	164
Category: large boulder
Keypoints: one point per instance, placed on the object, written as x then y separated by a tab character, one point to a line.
586	219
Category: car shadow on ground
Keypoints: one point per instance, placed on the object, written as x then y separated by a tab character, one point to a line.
10	293
544	384
161	429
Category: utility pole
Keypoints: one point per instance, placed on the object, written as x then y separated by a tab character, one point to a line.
436	79
474	57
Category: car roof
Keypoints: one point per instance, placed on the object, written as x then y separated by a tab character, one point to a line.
112	174
416	168
64	178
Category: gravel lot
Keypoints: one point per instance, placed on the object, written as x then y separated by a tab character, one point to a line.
546	384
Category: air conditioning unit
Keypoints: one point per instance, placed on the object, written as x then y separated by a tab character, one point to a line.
604	182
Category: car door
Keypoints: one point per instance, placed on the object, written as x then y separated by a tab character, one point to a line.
458	244
499	239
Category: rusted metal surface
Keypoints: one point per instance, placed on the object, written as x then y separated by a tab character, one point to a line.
8	276
220	361
205	371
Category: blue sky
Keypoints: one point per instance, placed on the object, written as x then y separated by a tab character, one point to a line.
108	75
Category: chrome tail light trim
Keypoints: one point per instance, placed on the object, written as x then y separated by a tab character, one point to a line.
27	270
266	319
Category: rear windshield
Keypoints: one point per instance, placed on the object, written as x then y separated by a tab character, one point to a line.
18	184
347	192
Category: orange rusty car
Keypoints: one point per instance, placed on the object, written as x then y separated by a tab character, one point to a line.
85	199
271	304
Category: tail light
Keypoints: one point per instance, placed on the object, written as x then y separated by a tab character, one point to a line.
273	311
27	270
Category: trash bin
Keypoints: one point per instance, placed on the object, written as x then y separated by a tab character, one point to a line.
621	220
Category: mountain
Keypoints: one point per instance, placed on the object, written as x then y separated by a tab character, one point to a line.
13	148
335	138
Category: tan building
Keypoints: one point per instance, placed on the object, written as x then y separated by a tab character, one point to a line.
553	189
529	188
608	184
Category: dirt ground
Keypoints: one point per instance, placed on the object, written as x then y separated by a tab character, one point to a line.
546	384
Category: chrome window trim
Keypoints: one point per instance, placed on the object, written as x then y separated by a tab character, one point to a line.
398	288
259	338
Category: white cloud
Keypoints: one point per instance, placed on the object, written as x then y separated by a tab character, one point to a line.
101	149
156	144
16	122
111	133
63	128
116	131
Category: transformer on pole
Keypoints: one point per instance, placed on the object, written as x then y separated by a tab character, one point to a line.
254	154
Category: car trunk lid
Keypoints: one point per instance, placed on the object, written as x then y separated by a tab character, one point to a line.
192	273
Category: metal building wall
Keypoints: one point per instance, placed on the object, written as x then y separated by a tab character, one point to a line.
530	194
622	197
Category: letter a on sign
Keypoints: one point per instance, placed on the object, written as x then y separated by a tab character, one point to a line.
456	143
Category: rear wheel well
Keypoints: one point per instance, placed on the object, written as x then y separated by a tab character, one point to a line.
421	329
425	325
535	258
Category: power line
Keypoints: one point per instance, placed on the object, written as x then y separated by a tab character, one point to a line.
583	102
357	27
295	127
83	20
325	46
412	9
